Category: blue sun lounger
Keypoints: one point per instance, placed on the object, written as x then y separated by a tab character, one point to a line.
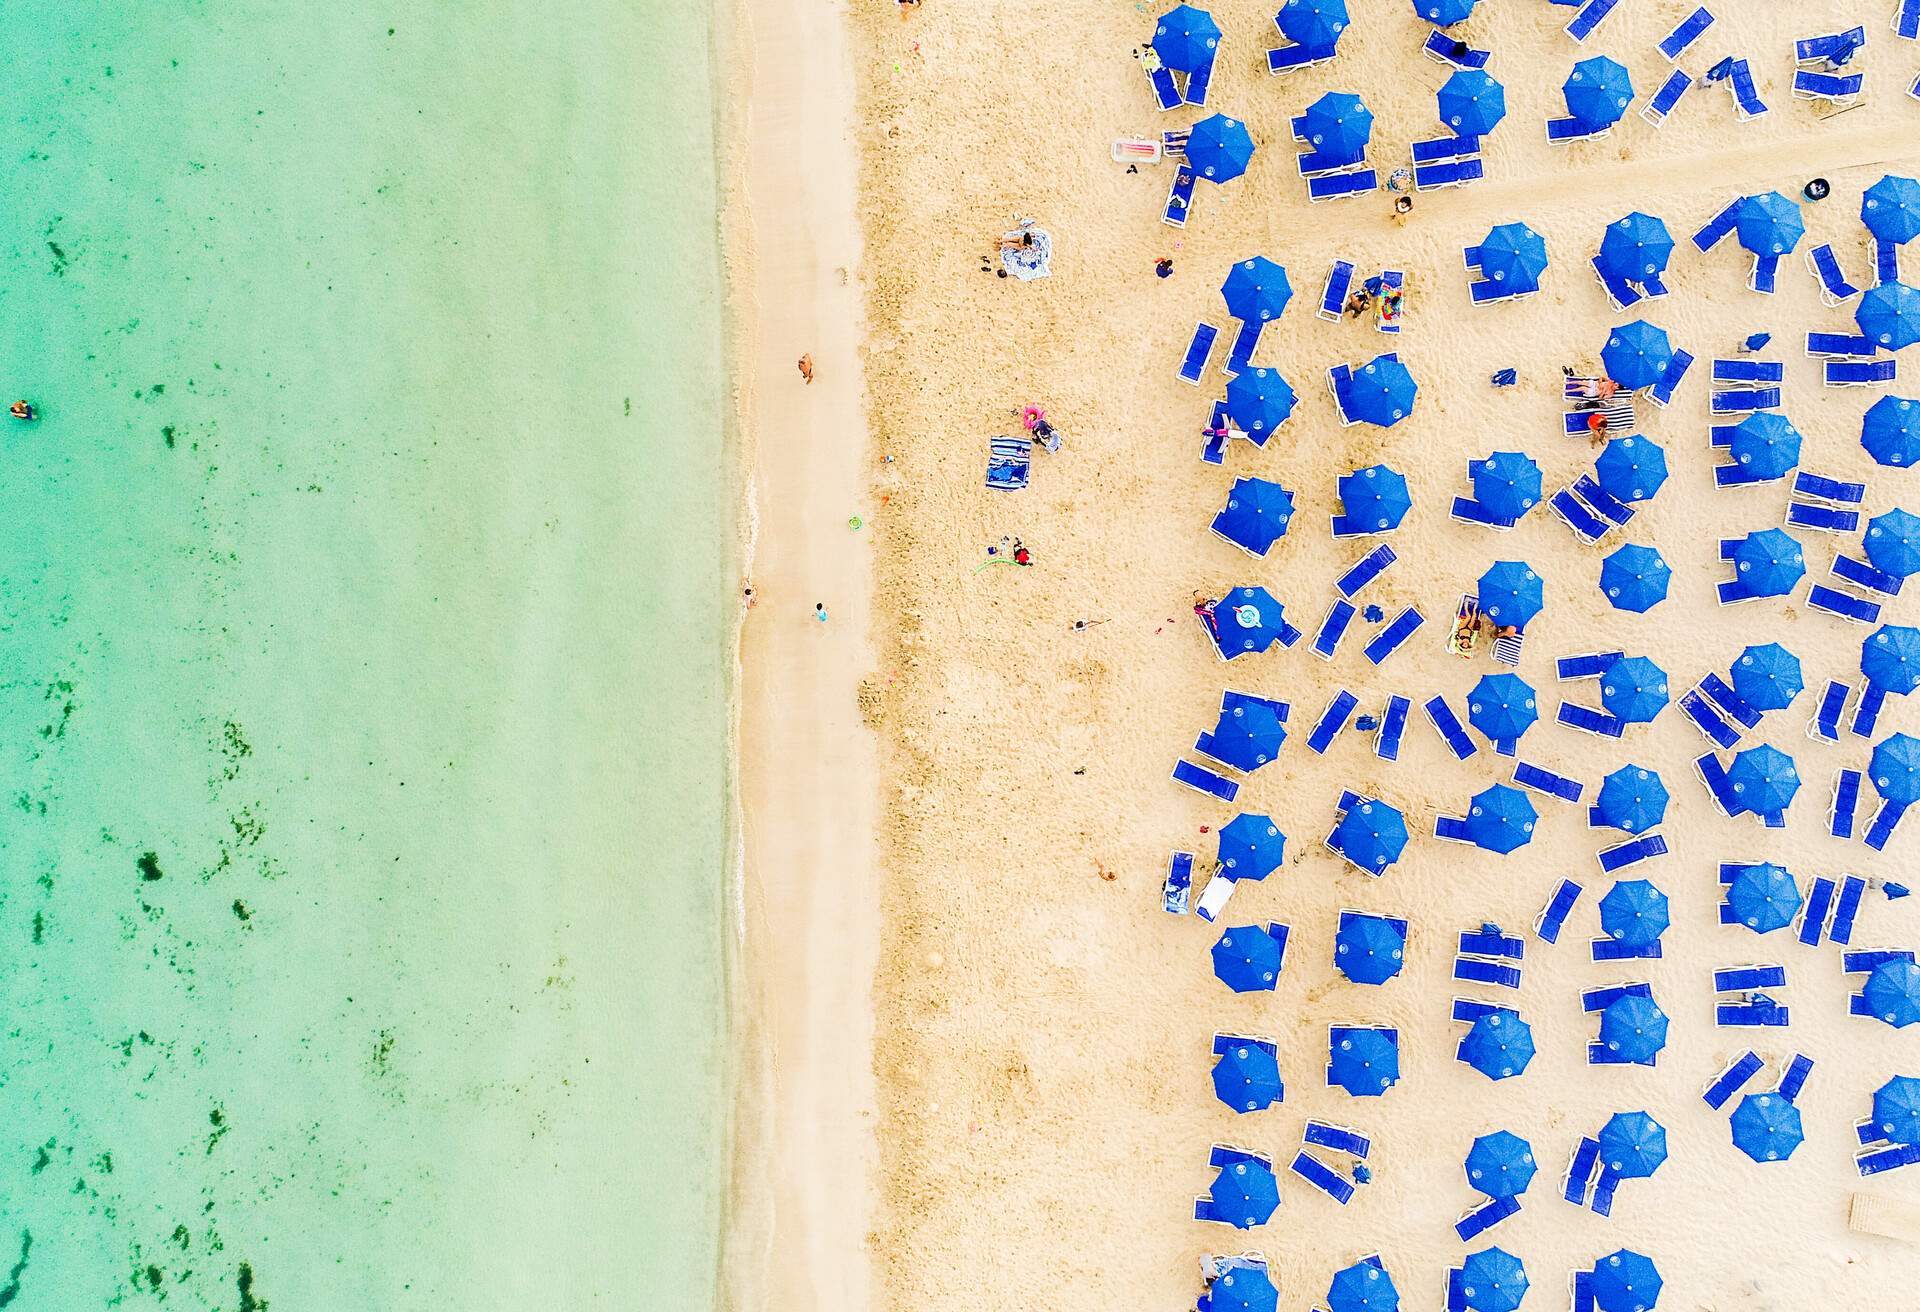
1240	358
1731	1079
1809	484
1332	629
1906	20
1810	85
1284	59
1333	186
1165	94
1339	1138
1719	787
1826	270
1664	100
1389	639
1607	506
1675	43
1857	609
1321	164
1630	853
1468	1010
1176	894
1179	197
1578	1181
1742	373
1886	818
1761	1012
1818	49
1715	230
1619	291
1715	727
1490	943
1600	999
1198	81
1822	518
1332	721
1553	917
1476	1221
1846	803
1661	393
1194	366
1867	960
1542	780
1588	17
1766	274
1477	970
1564	131
1448	173
1444	149
1443	49
1825	725
1887	1159
1726	700
1585	665
1859	373
1468	511
1604	1186
1448	726
1745	400
1612	949
1813	915
1451	829
1009	463
1746	96
1322	1177
1886	254
1588	720
1846	909
1333	296
1744	979
1393	727
1202	780
1794	1078
1849	345
1364	571
1862	575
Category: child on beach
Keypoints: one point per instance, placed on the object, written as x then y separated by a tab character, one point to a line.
806	368
1163	267
820	611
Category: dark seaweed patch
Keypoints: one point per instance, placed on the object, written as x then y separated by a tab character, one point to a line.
149	866
11	1290
248	1303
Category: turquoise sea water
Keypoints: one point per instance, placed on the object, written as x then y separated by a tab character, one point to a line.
365	594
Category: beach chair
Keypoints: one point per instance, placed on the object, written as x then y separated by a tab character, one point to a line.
1589	17
1443	49
1468	511
1866	711
1477	970
1553	916
1240	358
1620	419
1732	1078
1744	979
1886	258
1166	94
1819	49
1393	727
1468	1010
1906	20
1448	726
1862	575
1824	265
1333	296
1585	1164
1620	856
1825	724
1339	1138
1194	366
1285	59
1820	487
1332	629
1607	506
1823	519
1565	131
1391	280
1675	43
1364	571
1585	665
1542	780
1875	1161
1179	196
1620	292
1339	383
1507	648
1866	960
1849	345
1716	228
1762	1012
1322	1177
1440	150
1009	463
1856	609
1332	721
1719	787
1389	639
1747	104
1177	891
1449	173
1333	186
1730	703
1809	85
1661	393
1202	780
1322	164
1886	818
1588	720
1745	400
1794	1078
1492	942
1612	949
1198	81
1846	803
1650	284
1662	102
1477	1220
1487	292
1859	373
1600	999
1604	1185
1813	913
1741	373
1451	829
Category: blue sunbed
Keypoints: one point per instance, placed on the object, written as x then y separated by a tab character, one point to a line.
1859	373
1886	818
1862	575
1719	786
1332	721
1197	82
1720	1090
1491	943
1542	780
1813	915
1886	1159
1333	628
1179	196
1605	504
1834	602
1817	49
1439	46
1334	295
1824	519
1748	372
1850	345
1474	970
1586	665
1284	59
1745	979
1448	725
1808	484
1553	917
1240	358
1664	100
1322	1177
1604	1186
1588	720
1581	1170
1321	163
1589	17
1871	959
1621	292
1203	780
1675	43
1716	228
1650	284
1825	725
1393	726
1443	149
1339	1138
1561	131
1468	1010
1449	173
1176	893
1906	20
1165	94
1613	949
1866	711
1452	829
1726	700
1811	85
1713	726
1389	639
1391	280
1886	259
1794	1078
1365	570
1761	1012
1825	267
1746	96
1572	512
1744	400
1630	853
1487	291
1601	998
1846	909
1661	393
1766	274
1846	803
1332	186
1194	366
1478	1220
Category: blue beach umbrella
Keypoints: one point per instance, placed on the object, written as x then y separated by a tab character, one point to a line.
1382	392
1632	799
1498	1044
1634	689
1625	1281
1514	254
1631	468
1245	1289
1245	1194
1890	658
1501	1165
1764	898
1634	1027
1259	400
1895	769
1186	38
1766	1127
1364	1062
1892	542
1892	993
1890	315
1369	949
1635	912
1633	1145
1500	819
1251	846
1372	835
1635	578
1247	620
1493	1280
1765	444
1247	959
1769	224
1256	515
1507	483
1767	677
1764	779
1315	24
1769	562
1219	148
1340	124
1511	592
1502	707
1256	290
1246	1078
1896	1109
1375	498
1247	736
1444	13
1637	354
1471	103
1362	1287
1890	431
1891	209
1598	91
1635	246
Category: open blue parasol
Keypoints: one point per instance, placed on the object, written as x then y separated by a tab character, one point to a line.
1363	1287
1513	254
1766	1127
1493	1280
1635	578
1891	209
1896	1109
1625	1281
1256	515
1890	431
1364	1062
1186	38
1315	24
1890	658
1632	1145
1892	993
1247	1077
1369	949
1248	734
1506	483
1245	1289
1631	468
1635	912
1769	224
1767	676
1769	562
1500	819
1637	354
1764	779
1634	689
1634	247
1247	959
1510	591
1371	834
1256	290
1892	543
1471	103
1502	707
1501	1165
1890	315
1374	499
1764	897
1259	400
1219	148
1251	846
1245	1193
1895	769
1634	1027
1765	444
1598	91
1338	124
1381	392
1498	1044
1444	13
1246	620
1632	799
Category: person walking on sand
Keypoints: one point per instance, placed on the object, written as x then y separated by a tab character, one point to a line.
21	410
1163	267
820	611
806	367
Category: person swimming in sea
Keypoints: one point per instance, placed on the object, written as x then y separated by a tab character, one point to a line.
23	410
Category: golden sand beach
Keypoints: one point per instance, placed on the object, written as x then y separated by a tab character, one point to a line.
1040	1029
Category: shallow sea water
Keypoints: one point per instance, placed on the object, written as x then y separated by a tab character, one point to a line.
364	605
